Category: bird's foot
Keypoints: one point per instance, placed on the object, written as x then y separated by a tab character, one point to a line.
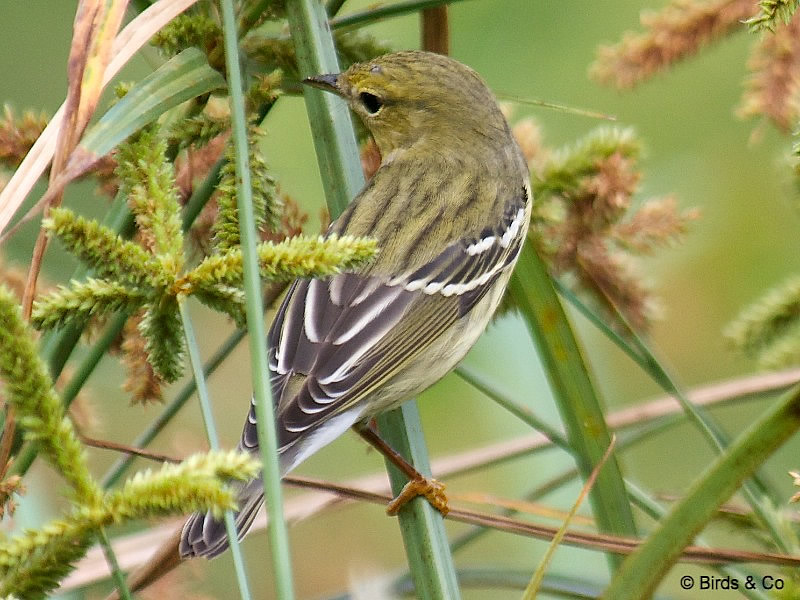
431	489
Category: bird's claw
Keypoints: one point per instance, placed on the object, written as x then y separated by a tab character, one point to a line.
431	489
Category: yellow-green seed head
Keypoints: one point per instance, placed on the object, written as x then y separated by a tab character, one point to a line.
420	99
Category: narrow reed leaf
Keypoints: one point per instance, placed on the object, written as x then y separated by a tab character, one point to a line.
259	370
575	394
181	78
642	571
537	580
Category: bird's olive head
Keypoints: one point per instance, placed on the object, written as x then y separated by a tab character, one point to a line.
412	98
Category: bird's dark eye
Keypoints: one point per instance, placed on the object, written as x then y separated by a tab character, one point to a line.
371	102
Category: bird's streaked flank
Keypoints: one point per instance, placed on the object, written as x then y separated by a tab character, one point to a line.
449	207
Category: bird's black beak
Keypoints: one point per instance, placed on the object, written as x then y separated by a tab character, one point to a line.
328	82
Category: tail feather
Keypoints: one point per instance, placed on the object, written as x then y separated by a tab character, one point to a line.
204	535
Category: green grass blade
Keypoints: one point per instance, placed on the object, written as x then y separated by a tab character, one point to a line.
523	413
573	390
642	571
331	124
533	588
655	511
183	77
265	416
113	564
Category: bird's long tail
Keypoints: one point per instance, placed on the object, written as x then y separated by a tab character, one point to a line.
205	535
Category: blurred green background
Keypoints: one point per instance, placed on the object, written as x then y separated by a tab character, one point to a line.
696	149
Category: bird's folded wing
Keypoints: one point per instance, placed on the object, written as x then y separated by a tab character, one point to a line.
336	340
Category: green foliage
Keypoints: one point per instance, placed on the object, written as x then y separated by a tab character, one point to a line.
108	255
290	259
271	53
84	299
153	280
266	203
188	30
149	181
198	130
163	334
224	298
184	487
589	225
771	12
769	329
30	390
563	173
35	561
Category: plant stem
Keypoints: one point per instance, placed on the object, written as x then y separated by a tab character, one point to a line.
573	390
265	416
384	12
113	564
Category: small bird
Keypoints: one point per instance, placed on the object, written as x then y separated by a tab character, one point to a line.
449	207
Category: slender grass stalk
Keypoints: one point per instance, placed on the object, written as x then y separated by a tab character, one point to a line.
483	385
573	390
384	12
337	153
331	124
213	441
643	570
265	416
532	590
119	468
113	565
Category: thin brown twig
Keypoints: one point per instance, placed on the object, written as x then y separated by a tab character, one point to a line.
609	543
126	449
435	30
